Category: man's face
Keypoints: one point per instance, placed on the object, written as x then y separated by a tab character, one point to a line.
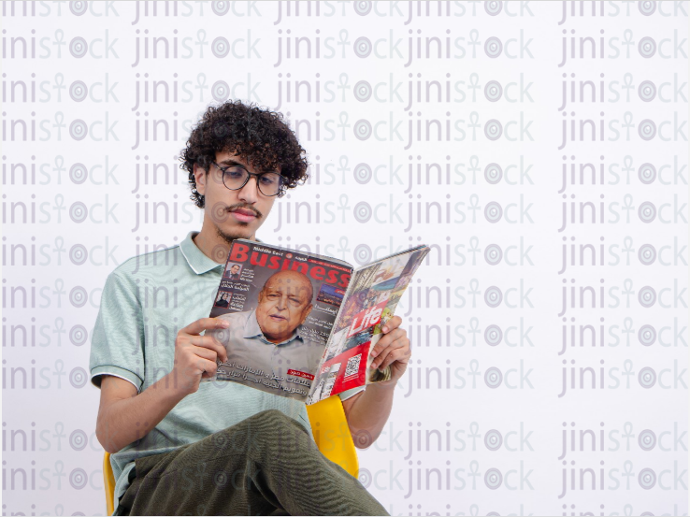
234	269
234	213
284	304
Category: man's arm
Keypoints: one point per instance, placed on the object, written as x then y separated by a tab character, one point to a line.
368	411
124	416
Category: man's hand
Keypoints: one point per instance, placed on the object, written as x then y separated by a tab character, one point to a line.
195	355
392	349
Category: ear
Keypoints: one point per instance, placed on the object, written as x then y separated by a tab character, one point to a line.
200	178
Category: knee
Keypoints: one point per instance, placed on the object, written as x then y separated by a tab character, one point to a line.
274	418
272	426
272	421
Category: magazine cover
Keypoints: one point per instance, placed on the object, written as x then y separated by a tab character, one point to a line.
281	306
299	326
370	302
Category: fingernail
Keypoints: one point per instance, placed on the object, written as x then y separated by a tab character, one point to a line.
385	329
225	323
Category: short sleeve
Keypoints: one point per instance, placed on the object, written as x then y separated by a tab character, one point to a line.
344	395
118	335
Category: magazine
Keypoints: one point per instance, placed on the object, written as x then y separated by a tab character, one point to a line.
302	325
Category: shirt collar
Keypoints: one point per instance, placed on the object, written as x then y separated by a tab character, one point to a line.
196	258
252	329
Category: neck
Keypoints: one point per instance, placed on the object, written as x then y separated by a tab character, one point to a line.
214	245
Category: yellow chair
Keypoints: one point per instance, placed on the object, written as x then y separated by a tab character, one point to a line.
329	429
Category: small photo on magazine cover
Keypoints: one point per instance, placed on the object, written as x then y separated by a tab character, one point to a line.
223	299
361	338
232	271
395	298
365	278
353	306
331	295
330	380
386	315
325	382
316	395
337	344
376	298
388	273
409	270
414	262
403	281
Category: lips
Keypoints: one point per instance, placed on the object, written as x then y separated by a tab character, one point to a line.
245	211
277	318
243	214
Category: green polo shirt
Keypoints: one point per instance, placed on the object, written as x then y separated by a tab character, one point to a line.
146	300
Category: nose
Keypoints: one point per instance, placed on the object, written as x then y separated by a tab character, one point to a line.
248	193
282	303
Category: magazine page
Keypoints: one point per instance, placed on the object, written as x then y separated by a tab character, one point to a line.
370	302
281	305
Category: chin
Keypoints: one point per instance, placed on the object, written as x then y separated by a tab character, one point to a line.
274	330
237	231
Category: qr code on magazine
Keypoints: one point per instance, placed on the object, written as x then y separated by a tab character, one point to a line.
353	365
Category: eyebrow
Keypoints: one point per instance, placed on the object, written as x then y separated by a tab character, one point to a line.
233	162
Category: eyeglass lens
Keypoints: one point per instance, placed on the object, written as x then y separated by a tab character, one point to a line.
235	177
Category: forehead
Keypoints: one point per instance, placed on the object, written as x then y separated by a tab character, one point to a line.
287	285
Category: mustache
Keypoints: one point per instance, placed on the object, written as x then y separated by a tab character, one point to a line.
244	206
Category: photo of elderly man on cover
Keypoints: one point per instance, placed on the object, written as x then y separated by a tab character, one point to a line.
270	344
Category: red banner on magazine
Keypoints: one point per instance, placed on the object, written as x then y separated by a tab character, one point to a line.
304	375
352	371
367	318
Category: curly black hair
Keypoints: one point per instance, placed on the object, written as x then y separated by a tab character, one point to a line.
260	137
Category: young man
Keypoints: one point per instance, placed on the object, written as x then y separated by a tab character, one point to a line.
220	448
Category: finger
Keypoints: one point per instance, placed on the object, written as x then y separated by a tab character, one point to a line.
203	352
400	340
380	359
386	340
211	343
198	326
216	345
391	324
378	362
206	367
401	354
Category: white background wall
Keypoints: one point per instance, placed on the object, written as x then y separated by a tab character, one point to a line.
75	214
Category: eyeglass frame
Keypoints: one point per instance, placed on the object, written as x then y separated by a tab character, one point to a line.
281	189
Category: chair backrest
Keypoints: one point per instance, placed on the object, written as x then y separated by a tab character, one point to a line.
109	484
328	427
332	434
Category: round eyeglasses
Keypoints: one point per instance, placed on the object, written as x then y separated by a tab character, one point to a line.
236	177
